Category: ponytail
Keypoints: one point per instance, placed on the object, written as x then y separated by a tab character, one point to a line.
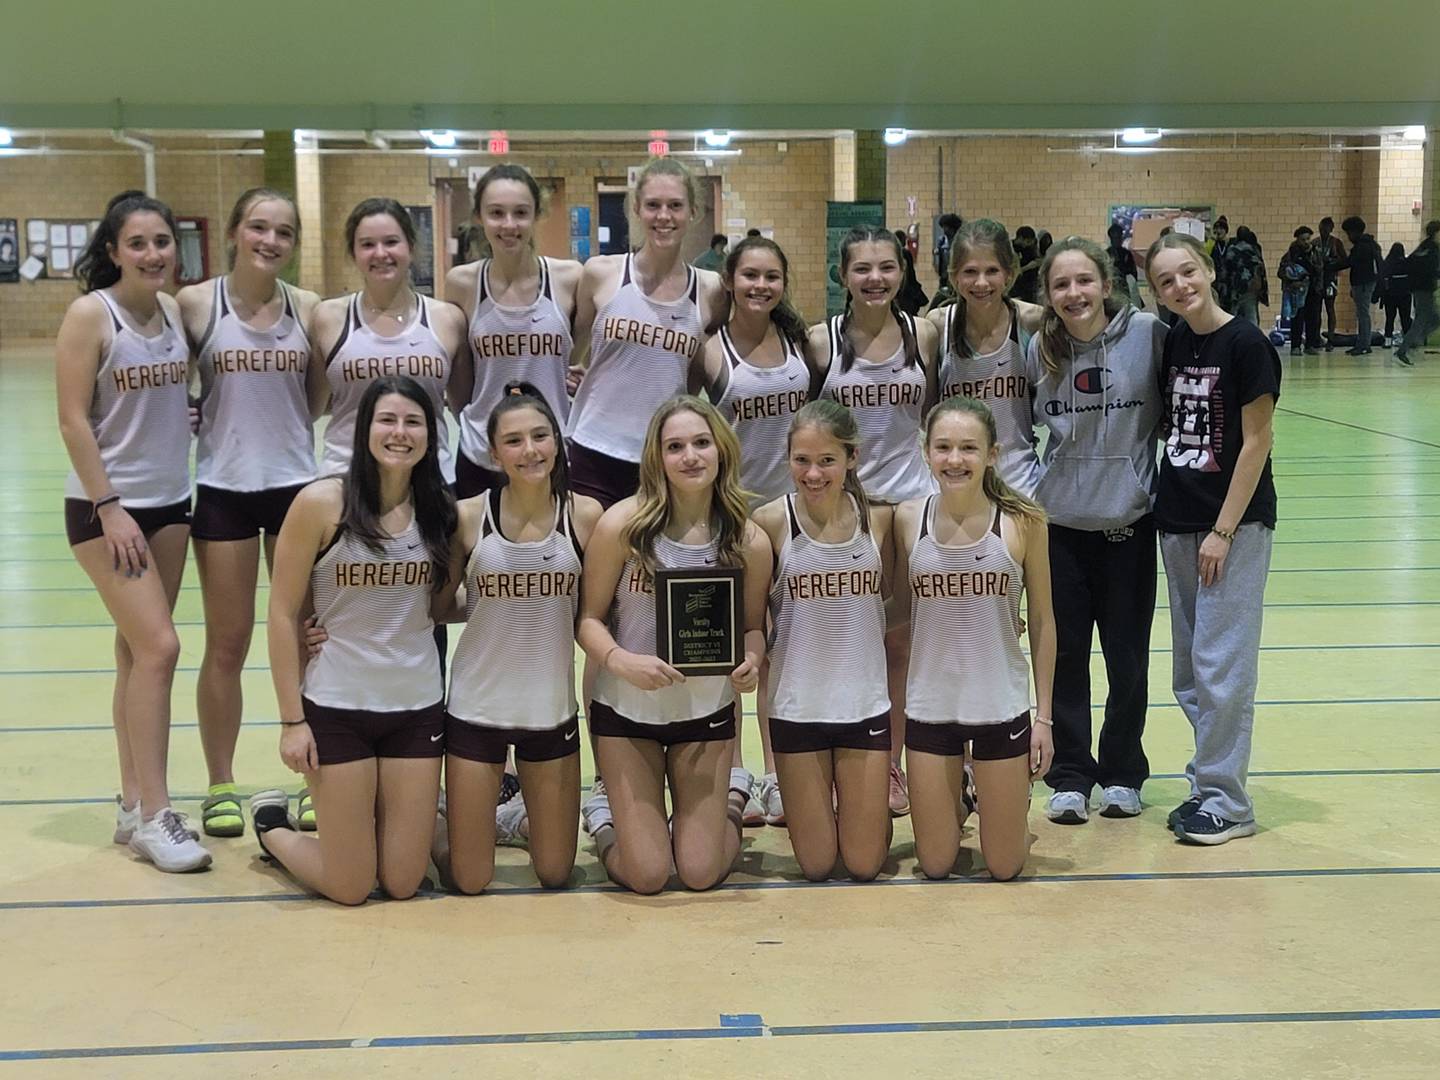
996	489
95	269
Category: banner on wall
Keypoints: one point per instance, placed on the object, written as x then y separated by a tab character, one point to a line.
840	218
9	249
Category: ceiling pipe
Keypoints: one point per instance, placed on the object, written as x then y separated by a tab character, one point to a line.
147	151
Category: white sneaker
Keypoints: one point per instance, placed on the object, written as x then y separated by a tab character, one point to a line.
126	821
754	812
165	841
1117	801
595	811
510	819
741	782
1068	808
768	796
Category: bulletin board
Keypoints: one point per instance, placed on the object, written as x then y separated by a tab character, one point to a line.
9	250
57	243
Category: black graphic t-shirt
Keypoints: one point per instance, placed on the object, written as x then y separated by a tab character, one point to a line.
1204	383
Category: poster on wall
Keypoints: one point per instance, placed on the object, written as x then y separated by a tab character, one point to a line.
422	263
1143	224
580	233
840	218
9	249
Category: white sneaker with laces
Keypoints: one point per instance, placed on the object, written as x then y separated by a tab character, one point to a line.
126	821
168	844
1119	802
768	795
1068	808
510	819
754	812
595	811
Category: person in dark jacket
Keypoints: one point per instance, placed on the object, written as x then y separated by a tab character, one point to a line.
1366	273
1240	274
1332	261
1396	297
1424	268
1300	272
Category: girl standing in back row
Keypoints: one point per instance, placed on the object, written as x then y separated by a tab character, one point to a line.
1215	506
879	362
255	451
519	306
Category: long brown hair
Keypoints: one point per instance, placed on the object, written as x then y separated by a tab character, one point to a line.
728	508
982	233
1054	343
873	234
788	322
996	490
838	422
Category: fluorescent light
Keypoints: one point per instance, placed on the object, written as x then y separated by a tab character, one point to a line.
5	137
443	140
895	136
1414	133
716	139
1140	135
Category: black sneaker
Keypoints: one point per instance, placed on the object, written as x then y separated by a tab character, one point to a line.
1203	827
509	788
1184	810
1404	359
1312	352
270	809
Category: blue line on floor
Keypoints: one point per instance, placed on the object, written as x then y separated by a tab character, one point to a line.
739	1026
796	882
109	800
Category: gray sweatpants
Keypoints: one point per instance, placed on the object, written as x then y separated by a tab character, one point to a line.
1215	634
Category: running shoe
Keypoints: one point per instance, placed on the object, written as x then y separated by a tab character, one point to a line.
166	842
509	788
767	794
1203	827
595	810
511	822
1184	810
1117	801
1068	808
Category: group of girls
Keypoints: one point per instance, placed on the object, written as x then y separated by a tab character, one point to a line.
871	475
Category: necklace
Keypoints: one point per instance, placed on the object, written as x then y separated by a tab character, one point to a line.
401	316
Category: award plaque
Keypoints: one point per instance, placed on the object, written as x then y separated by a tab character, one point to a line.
699	621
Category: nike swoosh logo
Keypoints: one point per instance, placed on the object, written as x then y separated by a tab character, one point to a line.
414	344
437	738
676	318
979	557
411	547
718	723
709	562
546	558
896	371
1015	735
537	318
879	731
858	555
792	378
570	734
1002	363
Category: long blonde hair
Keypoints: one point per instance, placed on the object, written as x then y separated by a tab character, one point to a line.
729	511
996	490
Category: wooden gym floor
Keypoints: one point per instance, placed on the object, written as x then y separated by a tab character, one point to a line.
1309	950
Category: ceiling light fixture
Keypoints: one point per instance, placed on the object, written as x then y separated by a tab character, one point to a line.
441	140
1134	135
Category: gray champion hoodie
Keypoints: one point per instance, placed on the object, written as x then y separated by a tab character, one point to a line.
1102	411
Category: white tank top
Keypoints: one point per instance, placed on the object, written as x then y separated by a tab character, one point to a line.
640	354
632	623
759	403
827	648
513	344
140	414
361	356
888	400
998	379
255	430
375	605
515	664
966	666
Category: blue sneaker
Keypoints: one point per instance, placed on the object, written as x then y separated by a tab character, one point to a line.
1203	827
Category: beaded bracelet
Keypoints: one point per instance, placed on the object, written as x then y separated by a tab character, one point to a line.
1228	537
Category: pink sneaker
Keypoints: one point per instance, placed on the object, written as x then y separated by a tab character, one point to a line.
899	792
